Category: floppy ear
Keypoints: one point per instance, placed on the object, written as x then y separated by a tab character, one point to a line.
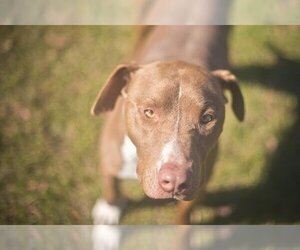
229	82
108	95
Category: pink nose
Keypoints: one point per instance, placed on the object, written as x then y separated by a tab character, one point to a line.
173	179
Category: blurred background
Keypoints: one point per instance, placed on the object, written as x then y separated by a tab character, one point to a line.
49	77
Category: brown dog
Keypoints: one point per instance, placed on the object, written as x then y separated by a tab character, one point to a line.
167	113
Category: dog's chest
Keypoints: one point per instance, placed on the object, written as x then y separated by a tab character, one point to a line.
128	151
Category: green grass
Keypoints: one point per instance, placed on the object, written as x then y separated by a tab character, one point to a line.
49	77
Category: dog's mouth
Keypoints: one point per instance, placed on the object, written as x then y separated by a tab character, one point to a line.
158	193
179	197
184	196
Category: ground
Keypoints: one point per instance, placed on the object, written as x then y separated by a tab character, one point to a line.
49	77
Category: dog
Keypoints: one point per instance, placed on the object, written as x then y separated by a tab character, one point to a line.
167	110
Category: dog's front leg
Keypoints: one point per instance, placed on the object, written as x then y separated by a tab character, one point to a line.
111	189
183	215
106	214
108	209
184	209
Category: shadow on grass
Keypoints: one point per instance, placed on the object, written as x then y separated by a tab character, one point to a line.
277	198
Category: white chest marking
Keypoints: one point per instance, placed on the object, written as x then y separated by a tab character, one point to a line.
129	156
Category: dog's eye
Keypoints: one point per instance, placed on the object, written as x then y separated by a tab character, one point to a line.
149	113
206	118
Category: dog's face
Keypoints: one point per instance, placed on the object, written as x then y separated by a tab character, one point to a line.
174	115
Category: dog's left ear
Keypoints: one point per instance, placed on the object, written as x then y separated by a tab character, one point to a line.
109	94
229	82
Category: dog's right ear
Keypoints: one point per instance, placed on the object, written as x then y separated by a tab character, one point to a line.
108	95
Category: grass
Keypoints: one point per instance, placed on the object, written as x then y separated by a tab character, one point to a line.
49	77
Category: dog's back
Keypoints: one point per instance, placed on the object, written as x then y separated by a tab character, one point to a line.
206	46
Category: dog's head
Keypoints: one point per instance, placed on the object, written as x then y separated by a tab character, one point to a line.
174	114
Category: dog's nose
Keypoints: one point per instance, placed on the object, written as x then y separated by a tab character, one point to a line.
173	179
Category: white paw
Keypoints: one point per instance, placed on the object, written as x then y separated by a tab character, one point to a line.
106	214
106	237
